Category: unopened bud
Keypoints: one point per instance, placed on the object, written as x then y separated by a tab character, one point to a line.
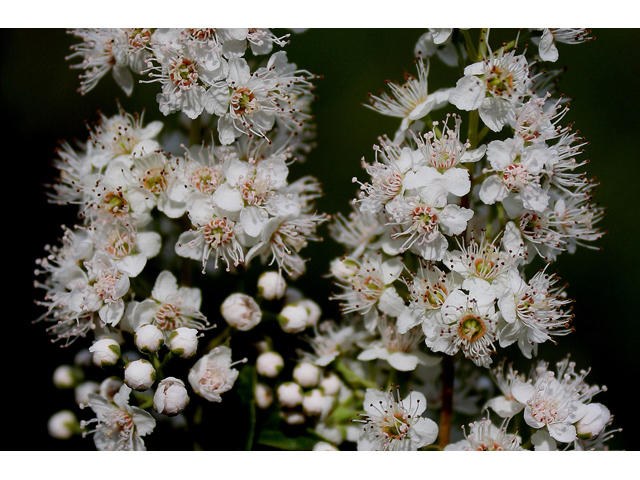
313	402
271	285
594	422
139	375
306	374
63	424
290	394
269	364
241	311
171	396
66	376
293	318
149	338
183	342
106	352
263	395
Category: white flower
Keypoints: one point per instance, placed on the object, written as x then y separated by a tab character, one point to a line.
395	424
119	425
241	311
106	352
170	307
469	324
213	374
183	342
139	375
410	101
495	87
517	170
553	401
329	341
485	436
533	312
426	221
371	288
437	41
171	396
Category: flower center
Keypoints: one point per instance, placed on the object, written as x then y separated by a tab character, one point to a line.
105	287
120	244
243	101
168	316
388	184
155	180
396	427
515	177
435	295
138	37
255	192
500	82
424	218
115	203
206	180
218	231
471	328
183	73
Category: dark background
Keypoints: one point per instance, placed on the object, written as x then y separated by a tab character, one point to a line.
41	106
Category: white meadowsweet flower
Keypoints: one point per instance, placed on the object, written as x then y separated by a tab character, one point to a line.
426	221
386	176
533	311
555	400
356	232
102	290
212	375
329	342
428	289
171	396
437	41
211	234
371	289
119	425
443	153
170	307
516	170
484	436
400	350
469	323
410	101
483	265
392	423
494	86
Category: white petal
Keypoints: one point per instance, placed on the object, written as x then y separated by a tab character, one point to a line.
453	219
468	94
457	181
228	198
492	190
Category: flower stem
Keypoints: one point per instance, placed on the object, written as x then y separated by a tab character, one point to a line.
447	400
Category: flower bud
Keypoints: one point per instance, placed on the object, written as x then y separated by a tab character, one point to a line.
263	395
293	318
289	394
110	386
306	374
594	421
83	390
271	285
171	396
294	418
343	269
139	375
269	364
66	376
106	352
313	309
331	384
241	311
324	447
149	338
313	402
63	424
183	342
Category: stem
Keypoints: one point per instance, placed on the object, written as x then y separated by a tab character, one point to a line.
222	337
447	401
351	377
